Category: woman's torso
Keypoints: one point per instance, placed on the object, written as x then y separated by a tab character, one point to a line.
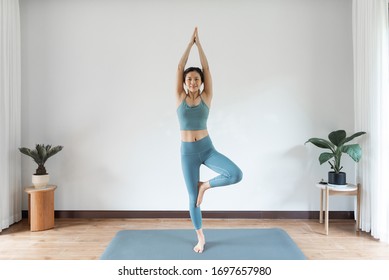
199	103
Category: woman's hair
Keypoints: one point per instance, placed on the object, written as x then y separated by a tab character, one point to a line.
194	69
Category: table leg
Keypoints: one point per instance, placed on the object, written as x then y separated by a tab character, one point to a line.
327	209
29	209
321	206
358	206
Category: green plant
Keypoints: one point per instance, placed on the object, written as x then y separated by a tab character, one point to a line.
40	155
337	147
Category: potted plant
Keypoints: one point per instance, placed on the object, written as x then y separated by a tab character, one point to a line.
40	155
336	145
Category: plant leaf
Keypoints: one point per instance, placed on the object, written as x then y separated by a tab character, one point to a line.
354	151
324	157
25	151
42	153
34	154
348	139
53	151
336	137
321	143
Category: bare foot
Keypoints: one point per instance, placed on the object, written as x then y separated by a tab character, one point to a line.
203	186
199	248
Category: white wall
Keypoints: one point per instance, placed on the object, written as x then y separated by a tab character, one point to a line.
99	77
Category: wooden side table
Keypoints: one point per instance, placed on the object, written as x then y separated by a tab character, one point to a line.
327	190
41	207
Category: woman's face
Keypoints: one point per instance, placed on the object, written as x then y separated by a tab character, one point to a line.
193	81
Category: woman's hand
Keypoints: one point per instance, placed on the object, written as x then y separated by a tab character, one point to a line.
193	38
196	38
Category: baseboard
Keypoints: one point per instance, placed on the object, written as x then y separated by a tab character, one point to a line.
100	214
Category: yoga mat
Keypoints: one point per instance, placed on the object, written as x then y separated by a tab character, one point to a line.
221	244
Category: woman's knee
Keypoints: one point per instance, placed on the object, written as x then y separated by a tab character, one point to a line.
236	176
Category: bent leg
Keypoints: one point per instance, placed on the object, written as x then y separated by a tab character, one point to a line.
229	172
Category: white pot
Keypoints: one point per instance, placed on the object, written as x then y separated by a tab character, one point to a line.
40	181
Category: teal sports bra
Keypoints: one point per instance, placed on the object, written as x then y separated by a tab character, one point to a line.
193	117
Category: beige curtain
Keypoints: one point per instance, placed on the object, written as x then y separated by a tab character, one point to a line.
370	40
10	113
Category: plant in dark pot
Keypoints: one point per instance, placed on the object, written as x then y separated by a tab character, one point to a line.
40	155
337	146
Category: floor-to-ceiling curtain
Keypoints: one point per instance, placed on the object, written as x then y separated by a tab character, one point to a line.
371	75
10	111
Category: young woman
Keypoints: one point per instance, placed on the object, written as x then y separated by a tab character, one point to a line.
196	145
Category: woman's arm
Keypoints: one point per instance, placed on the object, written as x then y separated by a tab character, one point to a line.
181	67
207	73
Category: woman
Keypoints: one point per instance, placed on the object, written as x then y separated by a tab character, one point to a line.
196	146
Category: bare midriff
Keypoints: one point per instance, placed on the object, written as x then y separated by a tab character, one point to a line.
193	135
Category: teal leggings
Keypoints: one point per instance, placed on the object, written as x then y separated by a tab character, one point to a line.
193	155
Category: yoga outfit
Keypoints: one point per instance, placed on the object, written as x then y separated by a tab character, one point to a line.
194	154
193	117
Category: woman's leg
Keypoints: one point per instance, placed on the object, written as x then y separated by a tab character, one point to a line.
191	170
229	172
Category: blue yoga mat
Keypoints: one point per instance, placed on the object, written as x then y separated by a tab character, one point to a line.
221	244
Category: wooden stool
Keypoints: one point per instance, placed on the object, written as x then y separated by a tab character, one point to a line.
327	190
41	207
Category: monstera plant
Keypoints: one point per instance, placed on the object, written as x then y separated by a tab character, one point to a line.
336	144
40	155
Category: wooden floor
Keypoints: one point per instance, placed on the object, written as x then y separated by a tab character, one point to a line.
86	239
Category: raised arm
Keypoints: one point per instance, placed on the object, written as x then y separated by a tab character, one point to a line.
207	92
181	67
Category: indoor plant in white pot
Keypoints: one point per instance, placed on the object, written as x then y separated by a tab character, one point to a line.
337	147
40	155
